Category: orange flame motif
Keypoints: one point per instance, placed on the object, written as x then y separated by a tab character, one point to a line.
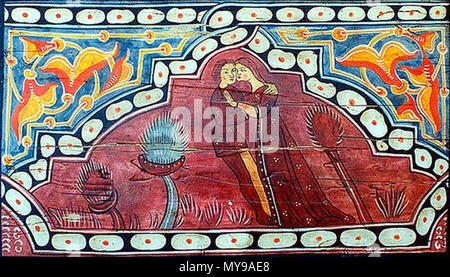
36	48
384	64
120	74
89	61
35	98
425	78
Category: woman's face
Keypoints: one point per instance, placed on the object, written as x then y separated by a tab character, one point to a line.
243	73
227	74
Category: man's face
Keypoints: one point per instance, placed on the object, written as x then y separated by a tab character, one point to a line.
242	72
227	74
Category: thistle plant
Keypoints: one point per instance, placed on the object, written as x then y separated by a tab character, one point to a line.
163	145
164	141
326	133
95	183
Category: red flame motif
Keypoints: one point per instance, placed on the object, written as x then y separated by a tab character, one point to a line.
34	98
384	64
35	48
120	73
88	61
424	77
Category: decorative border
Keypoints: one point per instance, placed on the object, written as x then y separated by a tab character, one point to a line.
329	12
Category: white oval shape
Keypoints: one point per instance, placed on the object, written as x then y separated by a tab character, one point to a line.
307	61
18	202
397	237
38	169
425	220
47	145
2	189
281	59
58	15
150	16
148	97
91	129
119	109
161	74
438	12
25	15
204	47
401	140
439	198
190	241
183	67
69	242
38	229
320	88
148	241
351	101
289	14
259	43
321	14
318	239
221	19
374	122
23	179
181	15
90	16
277	240
120	16
382	145
379	13
440	166
70	145
6	15
422	158
233	36
234	241
254	14
358	238
106	243
411	13
200	15
351	14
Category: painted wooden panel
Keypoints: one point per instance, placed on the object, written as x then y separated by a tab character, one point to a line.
224	128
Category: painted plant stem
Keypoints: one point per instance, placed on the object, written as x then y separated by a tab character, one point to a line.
350	186
117	219
170	215
326	133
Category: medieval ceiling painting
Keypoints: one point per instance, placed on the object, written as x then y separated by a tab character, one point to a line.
224	128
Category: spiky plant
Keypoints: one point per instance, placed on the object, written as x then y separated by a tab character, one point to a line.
326	133
163	144
95	184
164	141
391	203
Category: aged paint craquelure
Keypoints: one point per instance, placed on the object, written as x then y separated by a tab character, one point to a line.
96	162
